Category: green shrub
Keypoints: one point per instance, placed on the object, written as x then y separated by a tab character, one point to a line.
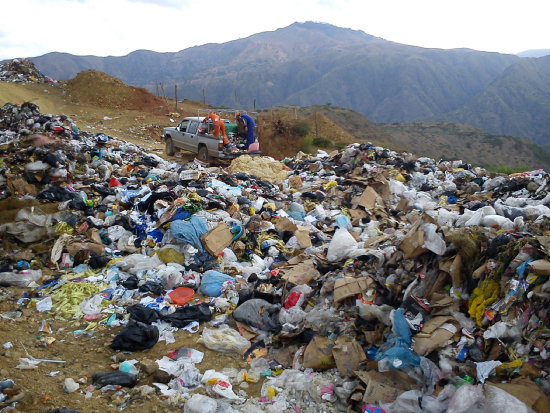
501	168
322	142
340	145
301	128
307	144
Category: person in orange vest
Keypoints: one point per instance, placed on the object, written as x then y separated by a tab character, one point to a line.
218	125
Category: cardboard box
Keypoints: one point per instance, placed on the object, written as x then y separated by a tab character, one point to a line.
540	267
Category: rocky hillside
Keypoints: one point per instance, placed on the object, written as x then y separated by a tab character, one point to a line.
308	64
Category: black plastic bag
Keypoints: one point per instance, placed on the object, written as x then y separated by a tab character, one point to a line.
136	336
259	313
98	261
118	378
139	312
151	287
184	315
130	283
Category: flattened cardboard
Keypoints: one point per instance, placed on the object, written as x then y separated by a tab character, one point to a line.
369	198
300	273
348	354
285	224
382	187
345	287
246	331
412	243
356	215
302	235
295	182
384	387
438	338
217	239
540	267
528	392
318	354
18	185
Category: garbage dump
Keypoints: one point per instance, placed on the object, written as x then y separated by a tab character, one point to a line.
361	280
22	71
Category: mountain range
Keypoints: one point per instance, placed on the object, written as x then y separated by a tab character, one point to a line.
317	64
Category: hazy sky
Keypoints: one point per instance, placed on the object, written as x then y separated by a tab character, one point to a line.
31	28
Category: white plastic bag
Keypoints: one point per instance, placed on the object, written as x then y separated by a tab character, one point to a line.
200	404
224	339
432	240
341	245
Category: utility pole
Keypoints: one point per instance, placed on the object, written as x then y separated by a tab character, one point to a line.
316	127
176	93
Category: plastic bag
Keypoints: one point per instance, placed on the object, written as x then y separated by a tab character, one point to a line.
224	339
22	279
136	336
258	313
142	314
200	404
486	399
293	316
91	305
432	240
341	245
212	283
185	315
119	378
492	221
395	352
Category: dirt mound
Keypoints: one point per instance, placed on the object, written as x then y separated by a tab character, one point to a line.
101	89
324	127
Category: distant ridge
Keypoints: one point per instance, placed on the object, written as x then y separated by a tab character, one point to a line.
317	63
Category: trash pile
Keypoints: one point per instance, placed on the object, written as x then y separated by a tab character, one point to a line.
363	280
22	71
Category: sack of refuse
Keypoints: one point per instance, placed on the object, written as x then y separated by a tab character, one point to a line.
212	283
341	245
259	313
224	339
136	336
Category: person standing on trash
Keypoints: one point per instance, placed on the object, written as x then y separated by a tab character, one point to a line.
218	125
249	126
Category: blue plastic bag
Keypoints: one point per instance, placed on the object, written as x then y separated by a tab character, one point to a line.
212	283
396	350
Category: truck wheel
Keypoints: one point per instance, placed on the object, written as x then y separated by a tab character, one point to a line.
203	154
169	146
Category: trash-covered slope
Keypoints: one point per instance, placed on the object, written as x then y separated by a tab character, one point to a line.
362	279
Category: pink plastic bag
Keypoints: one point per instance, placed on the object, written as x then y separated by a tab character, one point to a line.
254	147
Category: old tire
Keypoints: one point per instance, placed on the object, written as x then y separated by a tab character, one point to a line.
202	155
169	146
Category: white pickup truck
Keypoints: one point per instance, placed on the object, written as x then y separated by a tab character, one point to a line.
192	135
